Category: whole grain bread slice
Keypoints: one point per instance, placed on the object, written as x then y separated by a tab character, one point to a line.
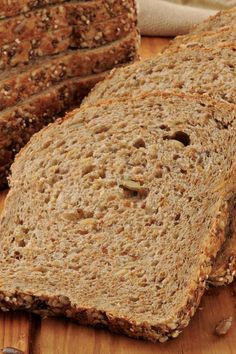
20	83
131	211
19	123
223	19
37	23
88	36
199	70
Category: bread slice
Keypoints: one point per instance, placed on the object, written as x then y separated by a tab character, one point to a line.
37	23
223	19
19	123
131	210
221	37
195	70
87	36
20	83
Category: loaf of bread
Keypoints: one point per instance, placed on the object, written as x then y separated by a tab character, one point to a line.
20	83
46	19
138	211
21	52
48	44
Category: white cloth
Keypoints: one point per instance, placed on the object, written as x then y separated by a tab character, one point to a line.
171	18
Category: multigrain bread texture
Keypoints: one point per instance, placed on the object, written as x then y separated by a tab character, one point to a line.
88	36
20	83
20	122
198	70
223	19
37	23
131	211
210	39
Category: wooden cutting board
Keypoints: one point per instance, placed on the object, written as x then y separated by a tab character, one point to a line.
60	336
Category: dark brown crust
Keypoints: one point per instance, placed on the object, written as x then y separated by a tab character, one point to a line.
19	53
19	85
10	8
35	23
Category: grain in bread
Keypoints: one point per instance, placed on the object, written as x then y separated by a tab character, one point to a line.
89	36
223	19
36	23
131	210
20	83
20	122
203	71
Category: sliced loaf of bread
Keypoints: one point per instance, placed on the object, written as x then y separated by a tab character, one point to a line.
20	83
131	211
71	37
203	71
74	13
223	19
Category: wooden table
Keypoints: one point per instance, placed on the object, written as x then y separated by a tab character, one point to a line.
60	336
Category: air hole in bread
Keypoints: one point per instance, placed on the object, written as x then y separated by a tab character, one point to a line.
164	127
17	255
180	136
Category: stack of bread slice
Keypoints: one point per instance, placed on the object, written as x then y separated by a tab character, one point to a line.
51	54
119	214
202	63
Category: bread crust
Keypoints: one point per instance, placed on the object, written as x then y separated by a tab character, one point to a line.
37	23
10	8
18	84
97	34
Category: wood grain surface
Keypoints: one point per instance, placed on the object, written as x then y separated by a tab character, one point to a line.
60	336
